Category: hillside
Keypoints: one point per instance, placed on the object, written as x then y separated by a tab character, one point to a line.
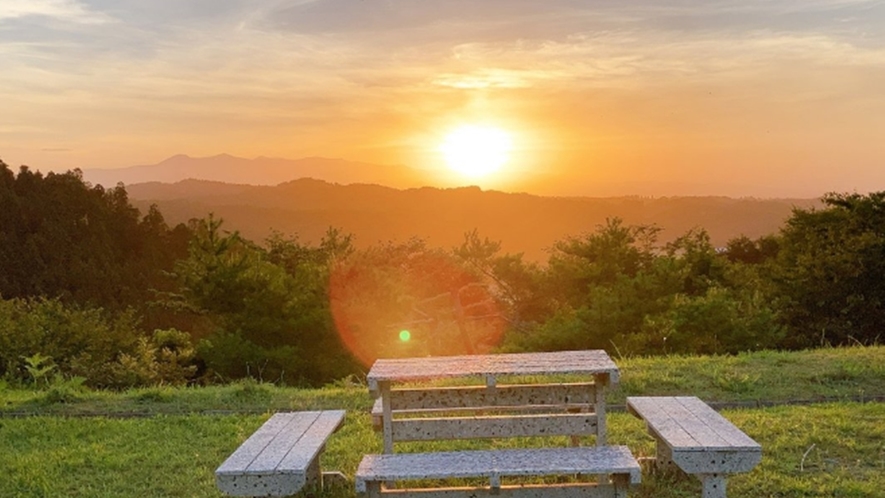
522	222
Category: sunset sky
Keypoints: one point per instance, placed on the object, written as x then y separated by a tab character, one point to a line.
741	98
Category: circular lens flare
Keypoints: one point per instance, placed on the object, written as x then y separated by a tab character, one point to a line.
384	306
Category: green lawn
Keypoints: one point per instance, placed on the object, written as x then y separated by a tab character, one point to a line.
831	449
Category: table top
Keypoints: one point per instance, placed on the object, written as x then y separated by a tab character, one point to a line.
436	367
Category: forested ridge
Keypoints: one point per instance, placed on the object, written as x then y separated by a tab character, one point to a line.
93	290
375	213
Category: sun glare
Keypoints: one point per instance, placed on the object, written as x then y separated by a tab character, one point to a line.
476	151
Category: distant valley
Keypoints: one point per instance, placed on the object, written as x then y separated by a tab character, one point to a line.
522	222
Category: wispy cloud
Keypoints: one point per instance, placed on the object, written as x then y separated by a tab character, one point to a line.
65	10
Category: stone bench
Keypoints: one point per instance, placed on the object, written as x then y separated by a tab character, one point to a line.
281	457
696	439
615	462
573	411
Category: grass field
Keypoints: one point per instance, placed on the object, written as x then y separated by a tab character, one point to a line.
180	435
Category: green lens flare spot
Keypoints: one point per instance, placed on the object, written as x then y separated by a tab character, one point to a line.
405	335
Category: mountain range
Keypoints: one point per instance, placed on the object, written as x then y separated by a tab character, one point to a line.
259	171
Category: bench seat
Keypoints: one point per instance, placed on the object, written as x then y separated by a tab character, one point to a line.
696	439
494	464
281	457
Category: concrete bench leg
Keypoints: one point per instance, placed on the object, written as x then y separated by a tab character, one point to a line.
313	476
713	485
664	458
373	489
621	485
334	479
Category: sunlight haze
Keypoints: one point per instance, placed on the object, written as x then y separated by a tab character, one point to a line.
780	98
476	151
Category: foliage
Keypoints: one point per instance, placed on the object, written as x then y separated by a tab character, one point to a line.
719	321
829	276
618	290
43	341
85	278
519	287
164	357
267	309
835	374
38	367
62	238
78	341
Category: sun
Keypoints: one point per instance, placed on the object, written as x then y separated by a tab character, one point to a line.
476	151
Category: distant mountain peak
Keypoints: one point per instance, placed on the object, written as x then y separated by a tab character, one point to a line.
175	158
231	169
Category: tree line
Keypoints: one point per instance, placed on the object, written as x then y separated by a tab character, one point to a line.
90	288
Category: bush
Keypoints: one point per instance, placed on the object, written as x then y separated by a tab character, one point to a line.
165	357
80	342
43	339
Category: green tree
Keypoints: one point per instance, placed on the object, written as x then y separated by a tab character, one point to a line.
519	286
745	250
618	291
829	275
604	284
62	238
266	312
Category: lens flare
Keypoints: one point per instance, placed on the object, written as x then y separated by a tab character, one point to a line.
386	305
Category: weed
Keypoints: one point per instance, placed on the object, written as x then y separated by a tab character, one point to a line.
38	367
155	395
64	391
736	382
249	390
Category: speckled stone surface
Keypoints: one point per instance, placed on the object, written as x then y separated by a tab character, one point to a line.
697	439
491	427
497	463
562	362
277	458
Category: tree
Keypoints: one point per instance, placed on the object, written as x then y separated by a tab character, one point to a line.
752	252
616	290
829	275
518	286
60	237
266	313
603	257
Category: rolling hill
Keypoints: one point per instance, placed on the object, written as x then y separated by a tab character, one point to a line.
522	222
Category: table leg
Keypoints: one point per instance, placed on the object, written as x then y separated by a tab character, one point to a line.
600	380
663	456
713	485
386	416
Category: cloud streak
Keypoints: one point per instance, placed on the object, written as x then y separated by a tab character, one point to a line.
63	10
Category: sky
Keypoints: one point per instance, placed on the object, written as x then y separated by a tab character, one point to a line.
762	98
